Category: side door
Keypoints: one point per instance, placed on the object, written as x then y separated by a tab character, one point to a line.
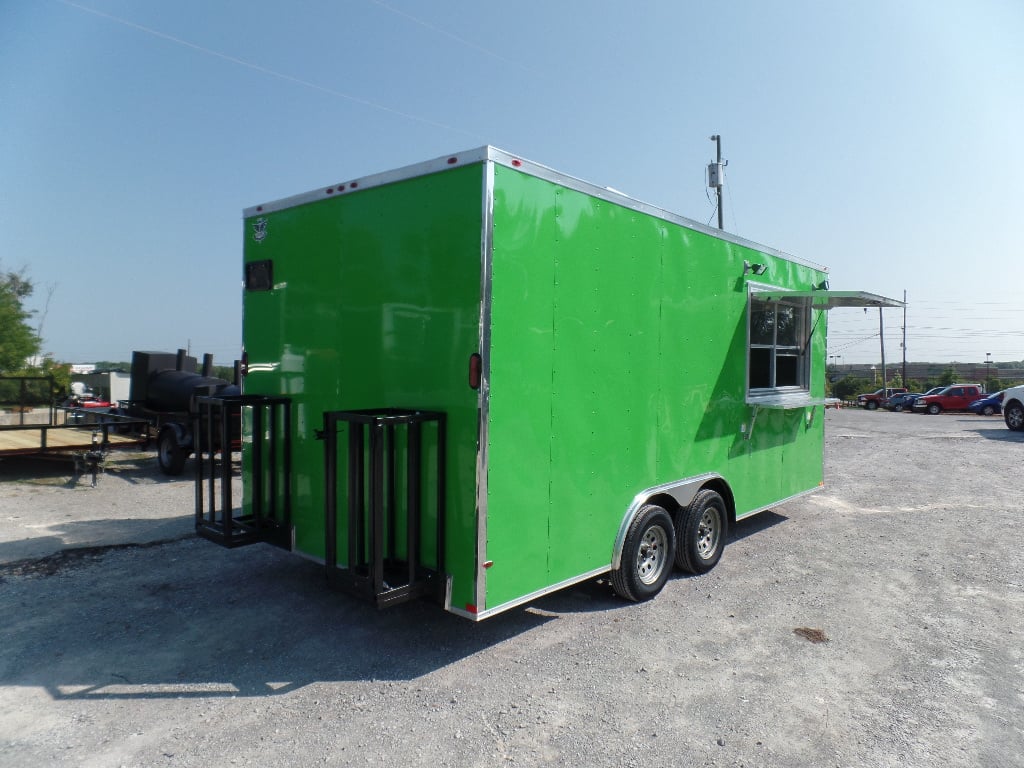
970	395
954	399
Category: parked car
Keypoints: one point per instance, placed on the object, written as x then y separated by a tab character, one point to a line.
988	405
902	401
871	400
955	397
1013	408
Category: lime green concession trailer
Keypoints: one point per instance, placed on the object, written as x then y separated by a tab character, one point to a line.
482	380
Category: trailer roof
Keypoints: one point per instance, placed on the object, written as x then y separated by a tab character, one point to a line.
501	157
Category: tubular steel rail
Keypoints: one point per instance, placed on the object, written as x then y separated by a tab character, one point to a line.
375	567
217	429
71	429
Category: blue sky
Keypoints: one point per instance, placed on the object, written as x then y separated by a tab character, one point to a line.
883	139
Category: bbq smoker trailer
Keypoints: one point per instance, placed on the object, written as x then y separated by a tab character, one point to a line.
481	380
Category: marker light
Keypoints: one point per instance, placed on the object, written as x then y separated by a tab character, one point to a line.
475	369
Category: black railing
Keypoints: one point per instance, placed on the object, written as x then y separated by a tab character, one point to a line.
217	431
381	563
22	394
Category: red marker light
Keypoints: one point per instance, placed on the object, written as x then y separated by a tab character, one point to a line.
475	369
516	163
452	160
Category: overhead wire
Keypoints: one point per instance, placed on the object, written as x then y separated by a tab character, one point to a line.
267	70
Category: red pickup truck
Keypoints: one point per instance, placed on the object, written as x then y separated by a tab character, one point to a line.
955	397
872	400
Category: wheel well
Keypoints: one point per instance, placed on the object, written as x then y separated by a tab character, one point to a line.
718	485
667	497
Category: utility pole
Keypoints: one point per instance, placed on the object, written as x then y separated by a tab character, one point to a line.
905	338
716	176
881	342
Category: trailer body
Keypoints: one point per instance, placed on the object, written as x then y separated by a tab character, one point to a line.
570	356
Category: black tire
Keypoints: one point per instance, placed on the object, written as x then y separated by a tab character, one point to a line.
1013	415
871	405
988	410
701	529
647	555
897	408
934	409
169	454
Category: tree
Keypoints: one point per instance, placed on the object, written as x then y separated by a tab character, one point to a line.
18	341
848	387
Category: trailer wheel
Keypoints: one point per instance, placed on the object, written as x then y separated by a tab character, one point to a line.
700	532
647	555
170	455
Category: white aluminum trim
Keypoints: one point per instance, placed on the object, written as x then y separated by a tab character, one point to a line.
613	196
786	500
530	597
483	396
351	186
776	399
507	159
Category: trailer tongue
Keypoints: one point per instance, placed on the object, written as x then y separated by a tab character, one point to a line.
480	380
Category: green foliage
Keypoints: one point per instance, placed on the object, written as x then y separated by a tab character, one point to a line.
226	372
948	377
109	365
849	387
19	341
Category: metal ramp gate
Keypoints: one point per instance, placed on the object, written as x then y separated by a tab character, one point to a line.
394	484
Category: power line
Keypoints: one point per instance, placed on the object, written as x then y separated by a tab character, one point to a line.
267	71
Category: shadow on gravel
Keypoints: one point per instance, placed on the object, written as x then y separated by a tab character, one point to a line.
70	536
190	620
56	470
1002	435
751	525
597	595
187	619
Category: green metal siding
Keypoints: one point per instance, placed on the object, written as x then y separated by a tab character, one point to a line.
376	304
618	363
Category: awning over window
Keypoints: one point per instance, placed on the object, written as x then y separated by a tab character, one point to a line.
830	299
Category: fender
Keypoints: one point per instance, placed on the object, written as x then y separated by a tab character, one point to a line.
682	491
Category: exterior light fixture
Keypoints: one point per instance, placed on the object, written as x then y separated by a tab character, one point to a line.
757	269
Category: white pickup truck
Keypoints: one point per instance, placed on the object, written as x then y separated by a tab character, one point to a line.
1013	408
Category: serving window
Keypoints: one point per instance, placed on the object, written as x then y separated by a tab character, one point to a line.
777	351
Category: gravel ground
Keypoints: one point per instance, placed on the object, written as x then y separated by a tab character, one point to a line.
878	622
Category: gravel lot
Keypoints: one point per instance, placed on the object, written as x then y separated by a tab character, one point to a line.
128	642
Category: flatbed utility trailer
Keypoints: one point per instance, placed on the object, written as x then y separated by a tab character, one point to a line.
81	435
31	425
481	380
36	439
